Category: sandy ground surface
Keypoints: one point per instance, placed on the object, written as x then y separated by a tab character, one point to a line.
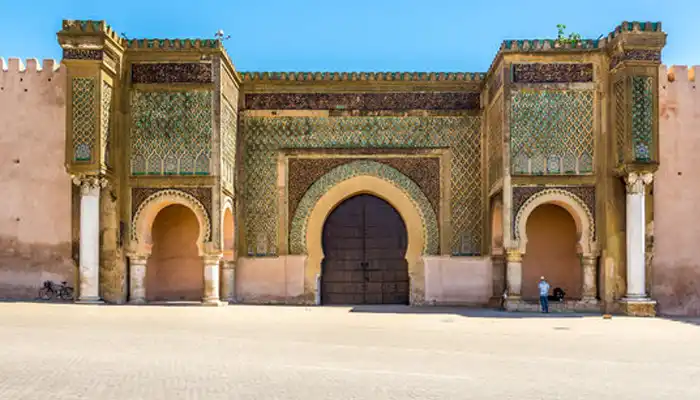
258	352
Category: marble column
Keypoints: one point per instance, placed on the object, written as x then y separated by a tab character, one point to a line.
137	279
228	281
635	231
211	279
589	290
89	268
514	273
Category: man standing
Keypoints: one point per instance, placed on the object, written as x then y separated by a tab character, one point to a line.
544	292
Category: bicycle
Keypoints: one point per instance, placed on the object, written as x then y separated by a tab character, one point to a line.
49	290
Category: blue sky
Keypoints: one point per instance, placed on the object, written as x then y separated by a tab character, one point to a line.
350	35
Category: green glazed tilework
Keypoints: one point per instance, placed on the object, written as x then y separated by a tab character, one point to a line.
642	117
171	132
106	121
551	132
264	136
83	118
228	139
620	116
297	236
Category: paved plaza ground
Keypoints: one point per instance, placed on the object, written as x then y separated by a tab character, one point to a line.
67	351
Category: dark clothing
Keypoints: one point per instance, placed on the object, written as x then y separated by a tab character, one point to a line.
544	302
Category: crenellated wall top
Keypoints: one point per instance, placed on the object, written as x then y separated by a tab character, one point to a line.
32	65
679	73
363	76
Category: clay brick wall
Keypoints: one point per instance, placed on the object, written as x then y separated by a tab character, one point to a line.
35	190
676	230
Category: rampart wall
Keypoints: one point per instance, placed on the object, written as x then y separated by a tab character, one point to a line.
676	230
35	190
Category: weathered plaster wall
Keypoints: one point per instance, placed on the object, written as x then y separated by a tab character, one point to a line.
457	280
271	280
676	230
35	199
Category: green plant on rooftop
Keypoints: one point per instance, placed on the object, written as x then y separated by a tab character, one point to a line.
572	39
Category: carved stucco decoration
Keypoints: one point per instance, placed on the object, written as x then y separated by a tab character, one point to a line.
160	200
575	205
297	237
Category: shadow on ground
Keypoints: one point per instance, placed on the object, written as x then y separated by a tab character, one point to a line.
465	312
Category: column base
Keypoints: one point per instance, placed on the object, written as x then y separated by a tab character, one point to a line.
90	300
214	303
513	303
638	307
138	302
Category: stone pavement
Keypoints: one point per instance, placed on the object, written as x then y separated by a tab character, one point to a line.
256	352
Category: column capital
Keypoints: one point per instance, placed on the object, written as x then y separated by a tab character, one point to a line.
514	255
137	258
89	183
212	258
229	264
636	181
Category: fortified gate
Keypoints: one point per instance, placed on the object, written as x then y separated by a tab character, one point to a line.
199	182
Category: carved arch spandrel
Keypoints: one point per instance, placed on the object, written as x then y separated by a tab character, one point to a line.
580	212
148	210
350	170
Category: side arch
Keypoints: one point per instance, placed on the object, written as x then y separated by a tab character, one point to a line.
582	215
147	211
300	221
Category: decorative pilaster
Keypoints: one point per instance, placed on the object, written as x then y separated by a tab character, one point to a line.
228	281
589	291
636	301
211	280
89	269
137	279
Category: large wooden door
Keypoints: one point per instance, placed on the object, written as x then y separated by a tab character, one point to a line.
364	243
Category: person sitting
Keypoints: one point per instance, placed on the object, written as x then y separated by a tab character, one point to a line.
557	295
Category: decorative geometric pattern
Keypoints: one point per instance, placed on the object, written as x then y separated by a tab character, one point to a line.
584	196
202	194
105	139
552	73
83	102
635	55
494	143
297	236
171	132
228	142
264	136
82	54
304	172
172	73
363	101
620	119
546	124
189	199
642	116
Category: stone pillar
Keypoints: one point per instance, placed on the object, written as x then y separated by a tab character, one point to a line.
89	270
228	281
589	290
636	301
137	279
514	273
211	280
498	269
